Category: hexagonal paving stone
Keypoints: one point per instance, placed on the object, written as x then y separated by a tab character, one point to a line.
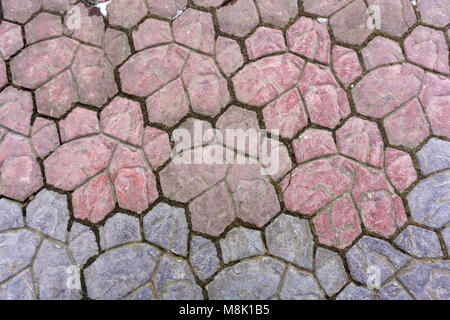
313	143
324	7
419	242
265	41
238	18
43	26
208	3
434	156
10	39
44	136
20	12
10	215
82	243
399	169
300	285
277	12
92	29
119	230
126	13
435	12
16	108
330	271
240	243
57	5
167	9
381	51
346	64
393	290
228	55
354	292
203	257
395	16
161	30
79	122
116	45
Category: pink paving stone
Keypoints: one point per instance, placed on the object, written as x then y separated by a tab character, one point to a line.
195	29
255	199
208	3
134	183
149	70
350	24
399	169
116	45
90	28
396	16
44	136
20	11
287	114
327	103
168	105
383	90
310	38
276	160
156	146
407	126
167	9
238	18
57	5
315	184
3	76
160	31
427	47
16	108
380	51
228	55
43	26
74	162
10	39
94	200
434	12
361	140
313	143
381	209
265	41
80	122
212	211
207	89
324	7
196	129
435	97
94	76
57	96
126	13
41	61
20	174
346	64
277	12
122	119
264	80
338	225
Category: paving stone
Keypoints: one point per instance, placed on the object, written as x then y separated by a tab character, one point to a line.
393	290
435	12
325	7
419	242
17	251
300	285
290	238
446	236
354	292
48	213
427	280
44	136
361	140
313	143
399	169
160	34
118	230
264	41
3	76
118	271
43	26
427	47
372	260
20	12
228	55
78	123
57	5
277	12
126	13
10	215
338	225
238	18
277	162
203	257
330	271
10	39
326	102
309	38
208	3
82	243
156	146
434	156
167	9
395	16
116	45
16	109
254	279
143	293
19	288
381	51
166	226
346	64
89	27
174	280
241	243
395	85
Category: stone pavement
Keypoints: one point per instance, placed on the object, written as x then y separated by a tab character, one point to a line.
94	206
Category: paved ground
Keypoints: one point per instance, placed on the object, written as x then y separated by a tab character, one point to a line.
92	205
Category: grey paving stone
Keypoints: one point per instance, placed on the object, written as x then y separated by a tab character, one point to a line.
300	285
372	261
290	238
434	156
419	242
53	270
446	235
82	243
119	229
203	257
121	270
354	292
20	287
240	243
175	281
10	215
330	271
255	279
143	293
429	201
393	290
427	280
166	226
48	214
17	249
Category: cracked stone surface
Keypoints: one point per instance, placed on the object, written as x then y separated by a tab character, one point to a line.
118	179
